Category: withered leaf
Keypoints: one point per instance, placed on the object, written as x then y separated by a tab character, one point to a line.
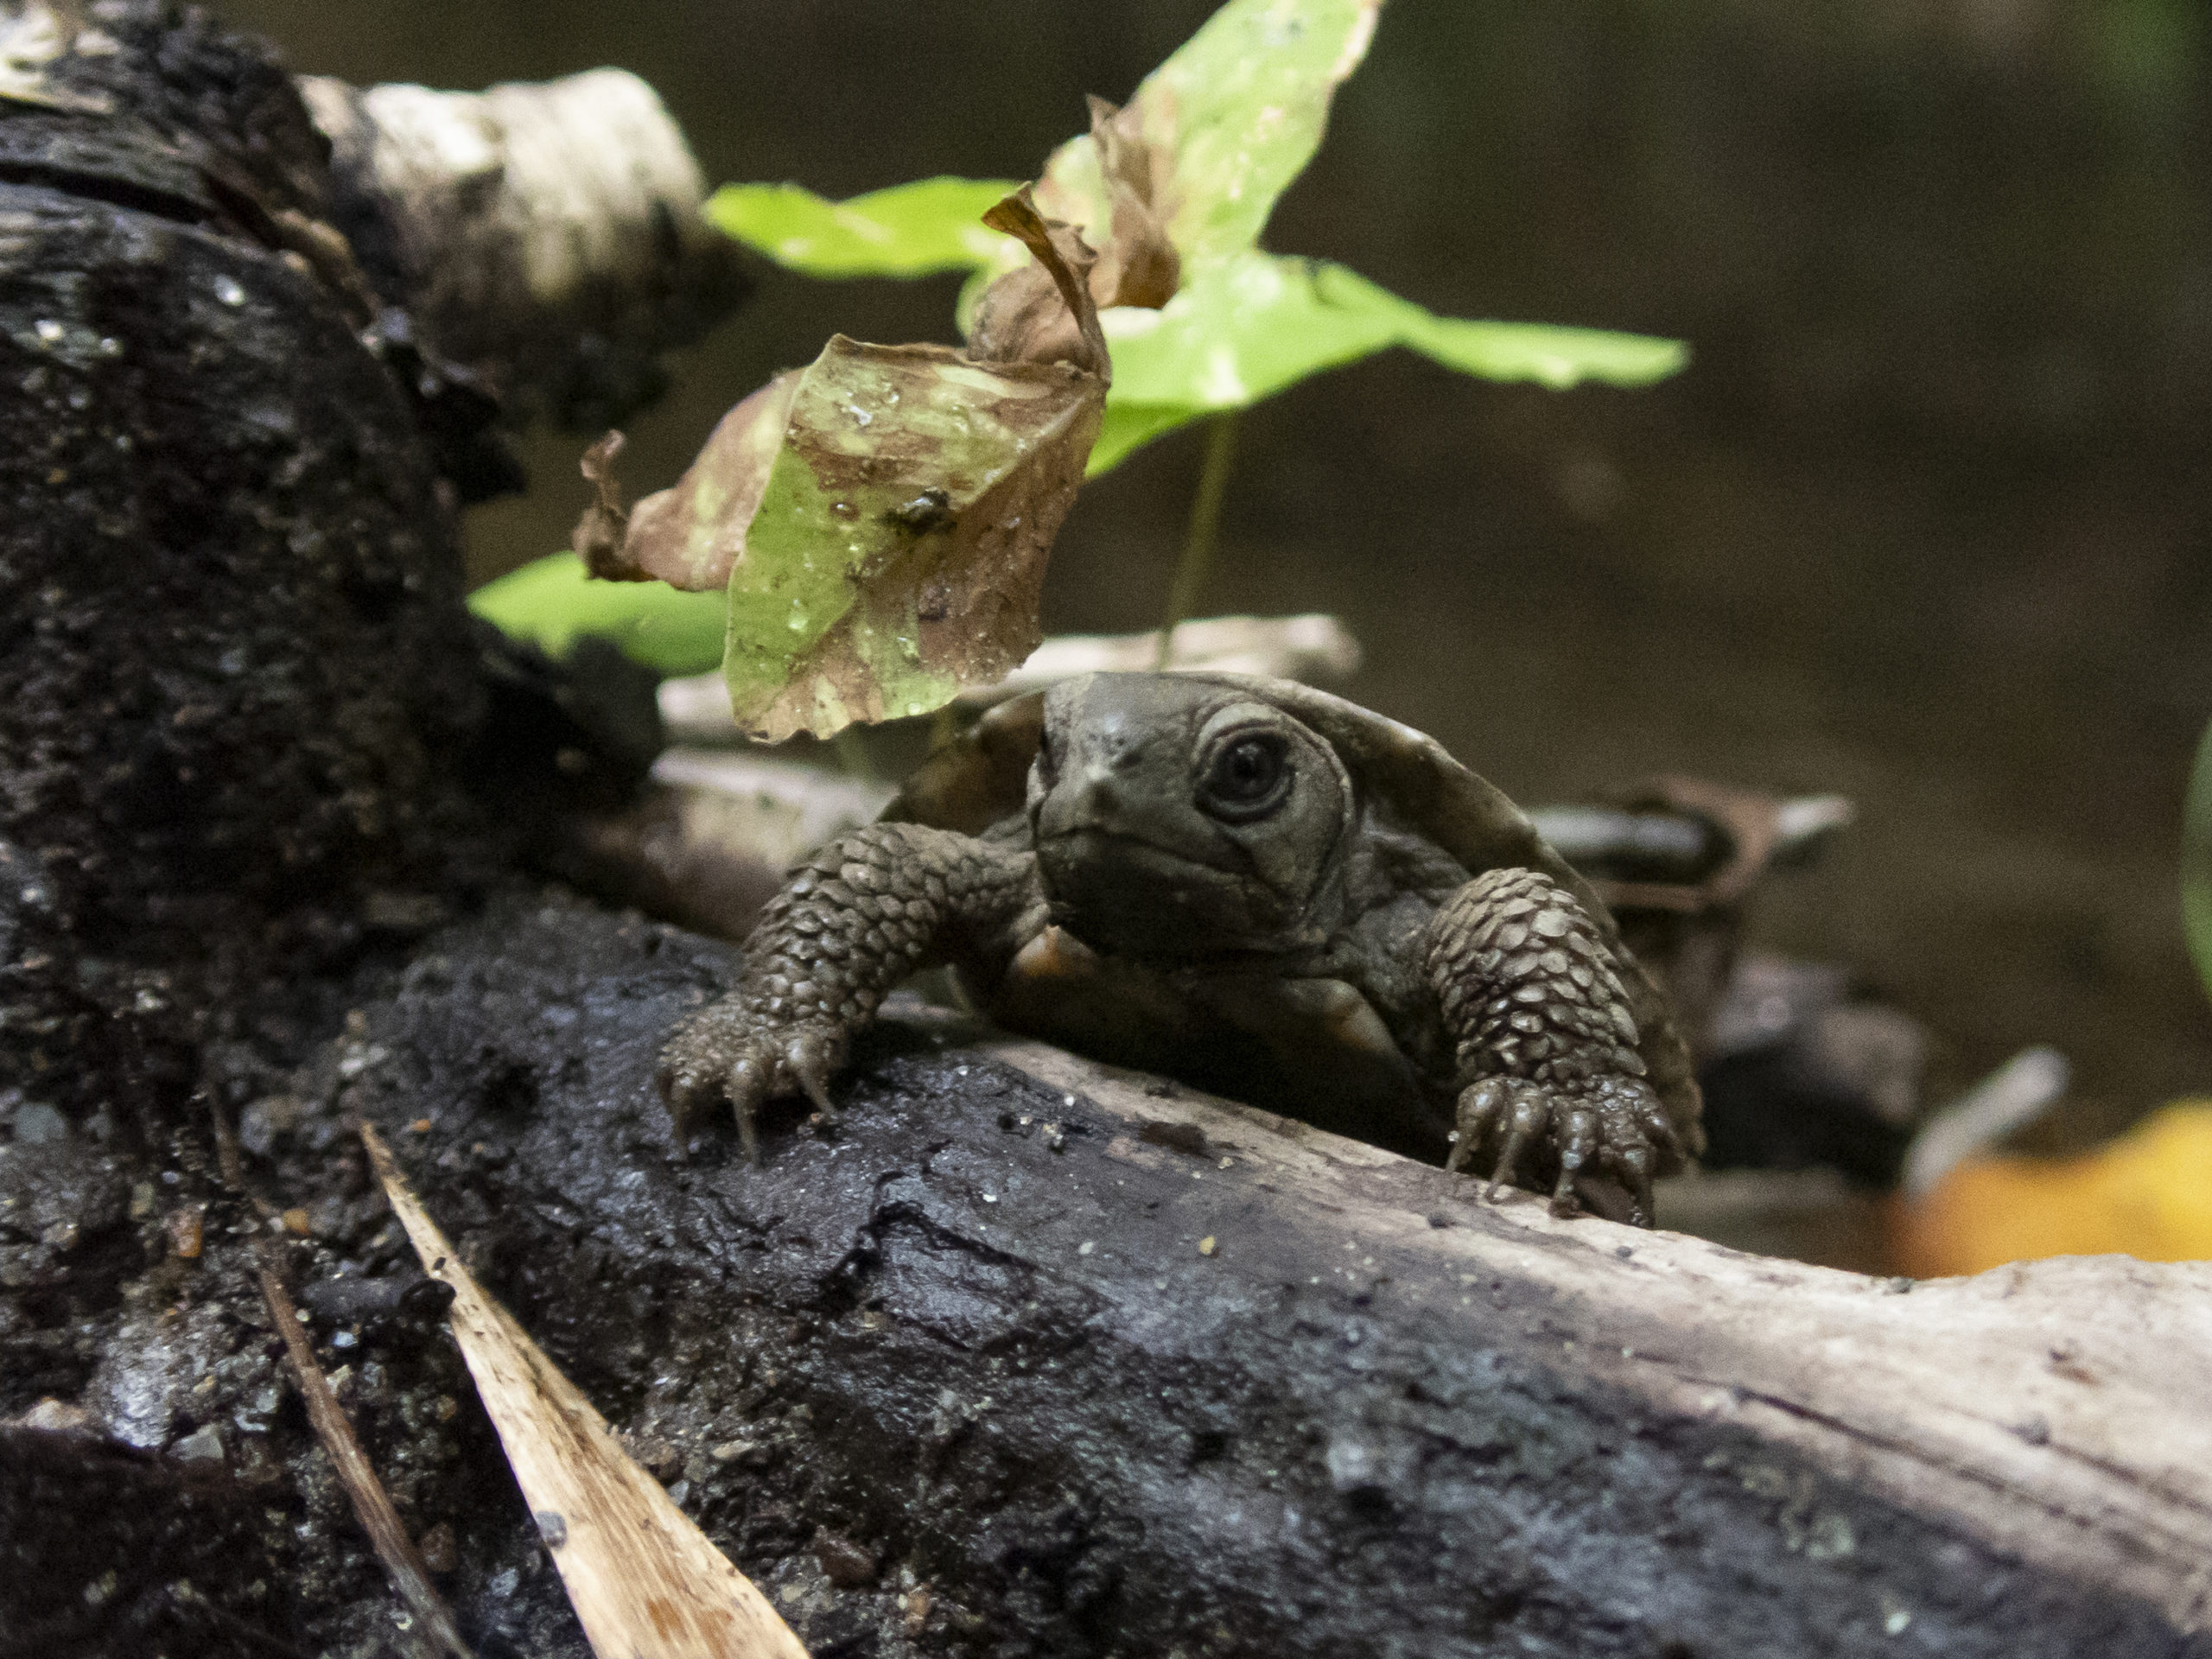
644	1581
688	536
1212	136
881	518
1140	266
600	534
1043	313
851	602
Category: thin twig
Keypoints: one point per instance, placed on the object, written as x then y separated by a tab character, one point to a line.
402	1562
1198	544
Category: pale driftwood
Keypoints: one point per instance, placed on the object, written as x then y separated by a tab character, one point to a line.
2059	1410
644	1581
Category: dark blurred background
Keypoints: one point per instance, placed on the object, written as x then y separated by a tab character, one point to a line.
1926	522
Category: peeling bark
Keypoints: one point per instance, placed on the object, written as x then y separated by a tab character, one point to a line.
546	236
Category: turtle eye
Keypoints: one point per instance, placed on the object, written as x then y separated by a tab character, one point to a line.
1248	778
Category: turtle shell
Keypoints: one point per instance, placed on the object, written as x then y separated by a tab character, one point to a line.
981	778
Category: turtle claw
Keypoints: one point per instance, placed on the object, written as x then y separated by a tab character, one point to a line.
810	1055
1635	1166
1482	1106
1612	1125
1529	1114
729	1052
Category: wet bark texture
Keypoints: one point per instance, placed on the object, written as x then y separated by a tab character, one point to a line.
236	674
1009	1363
242	709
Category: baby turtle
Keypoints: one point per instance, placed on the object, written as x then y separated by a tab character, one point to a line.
1263	889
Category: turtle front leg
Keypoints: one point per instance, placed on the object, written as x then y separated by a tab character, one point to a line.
1546	1045
854	919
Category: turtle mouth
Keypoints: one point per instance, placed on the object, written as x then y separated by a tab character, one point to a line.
1089	843
1130	894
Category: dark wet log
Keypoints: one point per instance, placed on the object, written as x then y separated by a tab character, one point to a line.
235	656
1025	1356
239	695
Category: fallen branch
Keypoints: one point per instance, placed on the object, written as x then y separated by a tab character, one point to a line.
1314	648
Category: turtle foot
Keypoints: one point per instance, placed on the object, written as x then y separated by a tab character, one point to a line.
1613	1126
741	1053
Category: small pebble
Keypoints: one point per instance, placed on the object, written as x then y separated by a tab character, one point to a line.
1206	1245
38	1124
551	1527
206	1446
57	1415
917	1605
844	1563
441	1551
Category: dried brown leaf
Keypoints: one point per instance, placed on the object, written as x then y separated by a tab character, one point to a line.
601	532
1139	265
935	486
1043	313
880	519
690	535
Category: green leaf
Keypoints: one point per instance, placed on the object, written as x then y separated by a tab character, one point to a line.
908	230
897	550
1544	353
1230	120
550	601
1245	328
2197	863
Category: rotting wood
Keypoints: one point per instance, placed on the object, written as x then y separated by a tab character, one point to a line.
546	237
1976	1398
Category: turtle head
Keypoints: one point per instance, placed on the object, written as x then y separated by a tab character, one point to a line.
1180	817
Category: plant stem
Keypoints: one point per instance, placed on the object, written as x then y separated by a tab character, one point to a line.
1205	518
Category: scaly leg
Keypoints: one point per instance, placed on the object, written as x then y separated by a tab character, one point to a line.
1546	1045
858	917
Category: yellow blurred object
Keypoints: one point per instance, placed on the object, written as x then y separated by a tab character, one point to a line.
2147	1194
